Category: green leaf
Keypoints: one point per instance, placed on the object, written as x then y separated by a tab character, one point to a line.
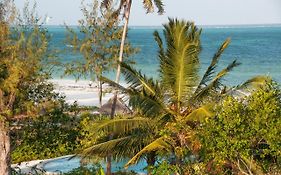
156	145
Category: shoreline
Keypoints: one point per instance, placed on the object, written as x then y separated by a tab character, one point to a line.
84	92
52	166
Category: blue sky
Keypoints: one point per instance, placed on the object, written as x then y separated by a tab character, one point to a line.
203	12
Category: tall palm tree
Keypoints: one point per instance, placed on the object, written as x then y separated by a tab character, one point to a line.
125	7
174	104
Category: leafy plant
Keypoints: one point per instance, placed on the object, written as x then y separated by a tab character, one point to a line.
52	134
98	43
244	136
91	170
23	50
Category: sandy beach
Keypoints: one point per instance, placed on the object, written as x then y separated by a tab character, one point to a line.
83	91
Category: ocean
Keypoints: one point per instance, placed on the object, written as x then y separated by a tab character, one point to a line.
257	48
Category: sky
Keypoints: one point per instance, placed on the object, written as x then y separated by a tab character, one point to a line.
202	12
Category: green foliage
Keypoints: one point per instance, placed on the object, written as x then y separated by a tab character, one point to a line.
96	143
52	134
41	124
24	49
23	52
245	131
179	63
94	170
125	173
166	111
164	168
98	41
174	106
87	125
87	170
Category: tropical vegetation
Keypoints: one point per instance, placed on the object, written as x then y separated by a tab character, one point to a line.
182	123
23	49
98	41
168	111
244	136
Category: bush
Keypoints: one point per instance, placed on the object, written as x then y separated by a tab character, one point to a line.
94	170
52	134
245	133
84	170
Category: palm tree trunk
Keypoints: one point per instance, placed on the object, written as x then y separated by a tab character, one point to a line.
5	149
118	73
100	91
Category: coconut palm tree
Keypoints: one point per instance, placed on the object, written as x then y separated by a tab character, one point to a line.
169	109
125	7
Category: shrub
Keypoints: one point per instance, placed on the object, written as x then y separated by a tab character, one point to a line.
245	133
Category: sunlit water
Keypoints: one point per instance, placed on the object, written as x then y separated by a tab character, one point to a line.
65	164
258	48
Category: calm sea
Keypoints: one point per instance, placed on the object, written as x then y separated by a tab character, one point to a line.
258	48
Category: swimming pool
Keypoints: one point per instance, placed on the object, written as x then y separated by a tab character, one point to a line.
66	164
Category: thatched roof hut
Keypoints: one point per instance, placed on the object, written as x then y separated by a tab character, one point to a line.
121	108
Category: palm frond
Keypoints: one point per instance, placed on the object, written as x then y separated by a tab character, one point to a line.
136	80
122	146
179	68
211	69
120	126
115	85
165	118
226	70
148	5
254	82
149	105
103	149
215	83
157	38
106	3
160	6
145	94
200	113
156	145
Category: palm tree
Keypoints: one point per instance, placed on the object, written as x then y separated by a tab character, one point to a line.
174	104
125	6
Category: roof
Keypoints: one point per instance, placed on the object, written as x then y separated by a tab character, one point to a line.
121	107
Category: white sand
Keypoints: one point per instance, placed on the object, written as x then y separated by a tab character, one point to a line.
84	92
31	167
36	166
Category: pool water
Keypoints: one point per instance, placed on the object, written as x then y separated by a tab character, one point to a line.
66	164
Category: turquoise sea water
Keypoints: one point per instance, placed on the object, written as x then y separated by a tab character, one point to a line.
258	48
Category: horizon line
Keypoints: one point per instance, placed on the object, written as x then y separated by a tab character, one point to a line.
200	25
